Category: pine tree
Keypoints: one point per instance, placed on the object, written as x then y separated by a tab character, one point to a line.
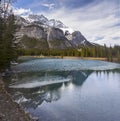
7	29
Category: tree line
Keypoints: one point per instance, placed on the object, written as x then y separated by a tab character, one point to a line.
97	51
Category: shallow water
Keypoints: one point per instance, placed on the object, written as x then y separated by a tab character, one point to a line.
67	90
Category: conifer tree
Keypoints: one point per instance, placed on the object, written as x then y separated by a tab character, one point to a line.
7	29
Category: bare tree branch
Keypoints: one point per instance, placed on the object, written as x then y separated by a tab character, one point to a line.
4	7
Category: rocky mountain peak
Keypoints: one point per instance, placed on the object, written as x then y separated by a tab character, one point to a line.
42	20
34	18
48	33
56	23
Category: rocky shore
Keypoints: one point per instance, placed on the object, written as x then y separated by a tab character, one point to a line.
9	110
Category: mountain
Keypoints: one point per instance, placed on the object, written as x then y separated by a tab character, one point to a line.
37	31
43	21
76	39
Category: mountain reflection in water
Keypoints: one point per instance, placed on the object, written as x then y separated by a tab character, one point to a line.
31	98
87	95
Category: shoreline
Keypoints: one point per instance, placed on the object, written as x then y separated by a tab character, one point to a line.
9	109
72	57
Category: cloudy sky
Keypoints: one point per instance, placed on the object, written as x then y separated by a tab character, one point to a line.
98	20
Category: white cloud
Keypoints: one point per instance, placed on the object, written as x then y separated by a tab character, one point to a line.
49	6
93	20
21	11
37	5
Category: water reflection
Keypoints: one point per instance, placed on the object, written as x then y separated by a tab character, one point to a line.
88	96
33	97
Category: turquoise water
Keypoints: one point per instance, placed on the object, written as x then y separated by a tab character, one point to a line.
67	90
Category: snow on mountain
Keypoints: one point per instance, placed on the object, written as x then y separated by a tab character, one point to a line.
40	27
70	30
56	23
45	22
36	18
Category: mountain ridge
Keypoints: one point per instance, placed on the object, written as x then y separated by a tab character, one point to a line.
39	28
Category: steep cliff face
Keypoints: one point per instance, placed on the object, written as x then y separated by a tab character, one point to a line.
56	39
24	27
32	31
77	39
39	32
31	36
37	37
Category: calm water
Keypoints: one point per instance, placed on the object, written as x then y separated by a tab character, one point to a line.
67	90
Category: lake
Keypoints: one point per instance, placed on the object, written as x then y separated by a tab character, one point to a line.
67	90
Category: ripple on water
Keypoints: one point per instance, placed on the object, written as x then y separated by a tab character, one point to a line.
64	65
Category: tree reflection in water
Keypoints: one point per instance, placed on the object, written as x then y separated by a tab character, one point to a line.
34	97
